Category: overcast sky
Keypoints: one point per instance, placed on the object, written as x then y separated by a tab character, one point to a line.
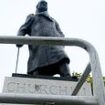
83	19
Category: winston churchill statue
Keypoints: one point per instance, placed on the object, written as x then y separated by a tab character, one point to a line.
43	59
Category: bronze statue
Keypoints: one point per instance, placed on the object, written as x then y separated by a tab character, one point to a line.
44	60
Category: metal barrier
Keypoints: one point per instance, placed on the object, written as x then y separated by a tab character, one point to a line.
94	66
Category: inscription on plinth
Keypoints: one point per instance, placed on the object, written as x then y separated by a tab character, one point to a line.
43	86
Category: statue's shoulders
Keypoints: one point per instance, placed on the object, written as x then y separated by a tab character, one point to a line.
30	16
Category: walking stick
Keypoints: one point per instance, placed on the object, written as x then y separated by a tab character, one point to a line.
17	60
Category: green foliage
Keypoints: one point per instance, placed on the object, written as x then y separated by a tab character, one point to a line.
89	78
104	80
77	74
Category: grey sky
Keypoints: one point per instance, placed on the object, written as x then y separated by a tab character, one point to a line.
83	19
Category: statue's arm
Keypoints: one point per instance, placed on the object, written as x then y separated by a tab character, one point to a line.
59	30
25	28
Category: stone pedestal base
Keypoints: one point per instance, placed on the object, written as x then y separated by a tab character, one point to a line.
45	86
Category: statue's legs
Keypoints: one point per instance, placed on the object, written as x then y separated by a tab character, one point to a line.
60	68
46	71
64	70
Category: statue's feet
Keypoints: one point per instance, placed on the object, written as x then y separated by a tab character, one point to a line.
75	78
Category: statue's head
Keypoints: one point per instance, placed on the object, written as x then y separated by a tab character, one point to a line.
42	6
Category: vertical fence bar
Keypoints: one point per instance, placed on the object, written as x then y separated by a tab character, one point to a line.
98	84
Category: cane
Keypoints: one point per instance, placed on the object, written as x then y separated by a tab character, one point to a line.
17	60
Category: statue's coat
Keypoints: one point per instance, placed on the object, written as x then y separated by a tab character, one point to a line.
42	24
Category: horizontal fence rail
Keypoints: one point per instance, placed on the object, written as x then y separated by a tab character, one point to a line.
43	41
47	99
98	85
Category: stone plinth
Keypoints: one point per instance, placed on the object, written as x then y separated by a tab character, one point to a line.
43	86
